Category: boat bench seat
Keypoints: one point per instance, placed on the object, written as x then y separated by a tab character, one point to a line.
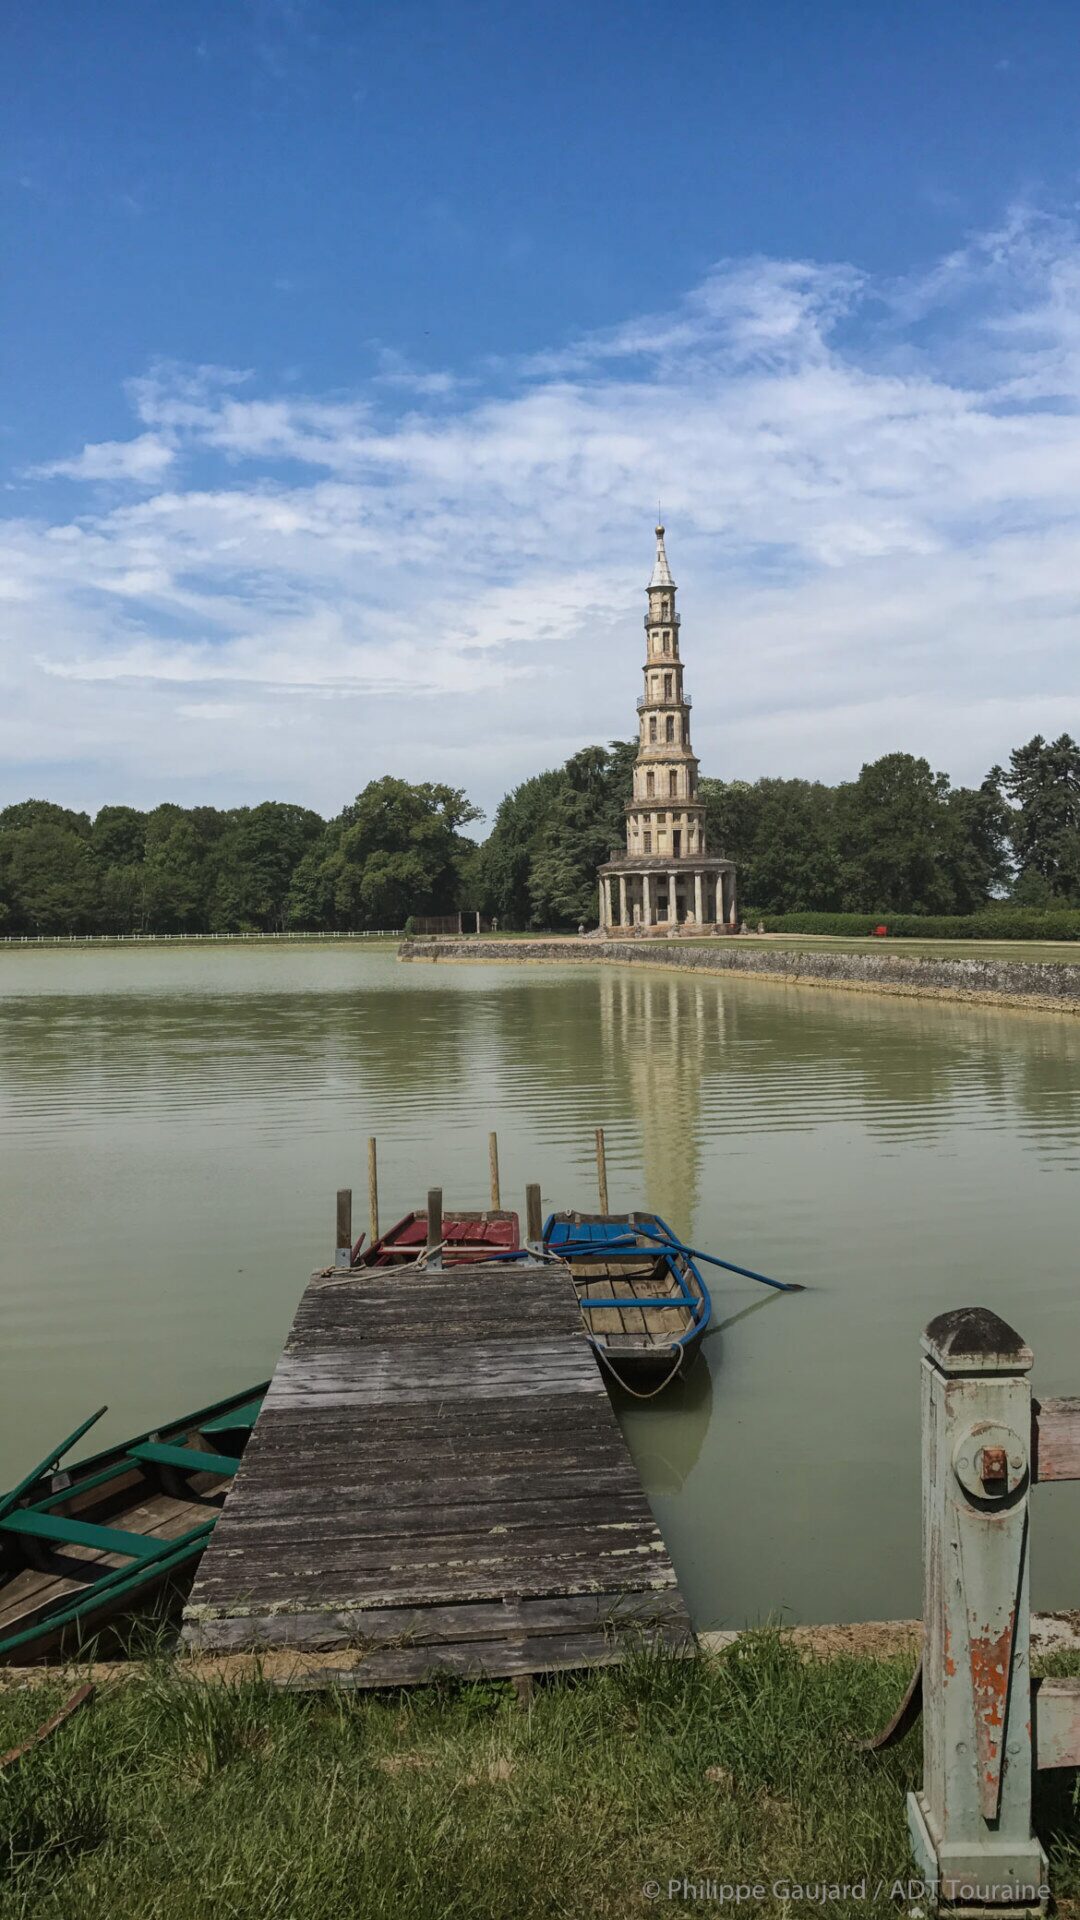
237	1419
78	1533
158	1453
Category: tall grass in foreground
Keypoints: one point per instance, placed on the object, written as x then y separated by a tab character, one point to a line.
167	1800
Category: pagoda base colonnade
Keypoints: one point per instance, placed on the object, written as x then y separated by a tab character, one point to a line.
697	894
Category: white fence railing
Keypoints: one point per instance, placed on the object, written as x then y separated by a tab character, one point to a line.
183	939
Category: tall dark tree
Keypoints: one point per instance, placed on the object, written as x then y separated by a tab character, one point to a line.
254	862
1043	783
41	813
118	836
586	823
782	836
505	861
48	879
976	858
177	873
119	842
893	838
397	850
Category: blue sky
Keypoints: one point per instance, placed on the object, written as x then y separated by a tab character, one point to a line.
348	348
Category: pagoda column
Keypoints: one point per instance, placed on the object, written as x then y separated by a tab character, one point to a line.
672	906
699	911
646	899
622	900
601	910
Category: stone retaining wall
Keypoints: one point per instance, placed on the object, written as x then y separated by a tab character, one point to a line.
1026	983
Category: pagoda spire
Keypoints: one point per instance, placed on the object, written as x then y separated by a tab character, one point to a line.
661	573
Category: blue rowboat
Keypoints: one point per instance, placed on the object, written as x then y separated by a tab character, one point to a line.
644	1304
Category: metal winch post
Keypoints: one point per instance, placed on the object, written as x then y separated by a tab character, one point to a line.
971	1823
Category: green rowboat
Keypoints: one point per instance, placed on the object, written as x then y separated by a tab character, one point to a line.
91	1544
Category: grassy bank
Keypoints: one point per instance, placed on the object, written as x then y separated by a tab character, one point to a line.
164	1800
998	922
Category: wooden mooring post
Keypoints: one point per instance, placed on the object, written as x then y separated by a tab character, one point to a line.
434	1226
534	1216
601	1171
343	1228
986	1726
372	1191
493	1167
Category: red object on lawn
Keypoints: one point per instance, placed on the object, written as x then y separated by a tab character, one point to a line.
881	932
466	1237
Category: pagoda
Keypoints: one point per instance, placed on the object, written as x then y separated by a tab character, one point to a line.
666	878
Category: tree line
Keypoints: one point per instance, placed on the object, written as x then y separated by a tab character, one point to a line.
897	839
394	850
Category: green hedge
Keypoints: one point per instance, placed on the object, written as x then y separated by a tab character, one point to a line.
994	923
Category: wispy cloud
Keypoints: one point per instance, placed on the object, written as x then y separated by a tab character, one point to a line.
873	497
144	460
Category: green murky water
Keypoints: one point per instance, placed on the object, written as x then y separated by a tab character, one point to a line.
173	1125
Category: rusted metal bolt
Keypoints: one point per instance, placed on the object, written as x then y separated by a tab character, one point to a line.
993	1464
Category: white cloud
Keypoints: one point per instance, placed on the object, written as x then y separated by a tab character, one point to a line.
873	500
144	460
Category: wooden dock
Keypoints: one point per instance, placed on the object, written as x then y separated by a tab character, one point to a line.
437	1481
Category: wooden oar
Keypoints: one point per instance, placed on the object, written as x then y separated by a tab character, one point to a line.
8	1500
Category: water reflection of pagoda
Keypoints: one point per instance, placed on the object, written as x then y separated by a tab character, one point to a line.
657	1034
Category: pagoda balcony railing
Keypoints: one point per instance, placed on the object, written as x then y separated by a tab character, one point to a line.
658	700
663	620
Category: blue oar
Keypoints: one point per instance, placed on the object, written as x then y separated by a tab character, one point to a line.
603	1246
782	1286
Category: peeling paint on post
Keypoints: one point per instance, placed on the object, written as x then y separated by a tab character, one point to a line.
971	1824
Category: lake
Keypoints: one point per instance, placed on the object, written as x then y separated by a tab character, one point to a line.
175	1122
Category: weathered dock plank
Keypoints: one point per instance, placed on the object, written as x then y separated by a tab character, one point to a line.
437	1482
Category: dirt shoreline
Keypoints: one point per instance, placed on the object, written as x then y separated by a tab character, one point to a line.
861	1640
1037	986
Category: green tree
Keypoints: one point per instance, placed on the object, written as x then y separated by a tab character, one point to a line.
395	850
176	874
310	902
1043	783
118	836
782	836
255	859
585	824
893	835
976	845
48	878
732	817
505	861
38	813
